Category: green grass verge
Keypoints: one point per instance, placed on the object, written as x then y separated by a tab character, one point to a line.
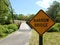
49	38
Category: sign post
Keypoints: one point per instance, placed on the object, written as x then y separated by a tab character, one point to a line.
40	40
41	22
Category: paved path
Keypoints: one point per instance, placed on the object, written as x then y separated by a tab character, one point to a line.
17	38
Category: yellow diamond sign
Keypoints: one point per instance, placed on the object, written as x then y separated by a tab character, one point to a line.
41	22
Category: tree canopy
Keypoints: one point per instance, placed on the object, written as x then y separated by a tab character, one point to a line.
54	11
5	11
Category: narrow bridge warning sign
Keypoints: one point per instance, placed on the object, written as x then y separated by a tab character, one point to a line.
41	22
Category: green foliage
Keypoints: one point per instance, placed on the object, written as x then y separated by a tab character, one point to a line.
12	26
7	29
23	17
3	31
30	16
15	16
5	12
54	11
55	28
10	31
20	17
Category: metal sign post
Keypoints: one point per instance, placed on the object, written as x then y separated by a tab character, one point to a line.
40	40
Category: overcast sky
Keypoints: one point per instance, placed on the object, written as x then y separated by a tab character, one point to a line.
30	6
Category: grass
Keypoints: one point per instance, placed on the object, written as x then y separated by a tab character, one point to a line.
49	38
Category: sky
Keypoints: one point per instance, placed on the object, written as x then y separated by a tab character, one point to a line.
30	6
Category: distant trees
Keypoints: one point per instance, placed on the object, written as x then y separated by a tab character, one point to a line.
22	17
54	11
30	16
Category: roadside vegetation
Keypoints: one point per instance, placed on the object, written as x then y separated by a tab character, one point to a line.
7	25
7	29
49	38
55	28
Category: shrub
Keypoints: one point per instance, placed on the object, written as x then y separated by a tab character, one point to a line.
3	31
7	29
55	28
2	35
10	31
13	27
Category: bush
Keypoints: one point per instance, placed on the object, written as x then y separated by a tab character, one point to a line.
7	29
55	28
3	31
10	31
13	27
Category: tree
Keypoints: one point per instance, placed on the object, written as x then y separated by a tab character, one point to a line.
24	17
54	11
15	16
20	17
30	16
5	15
